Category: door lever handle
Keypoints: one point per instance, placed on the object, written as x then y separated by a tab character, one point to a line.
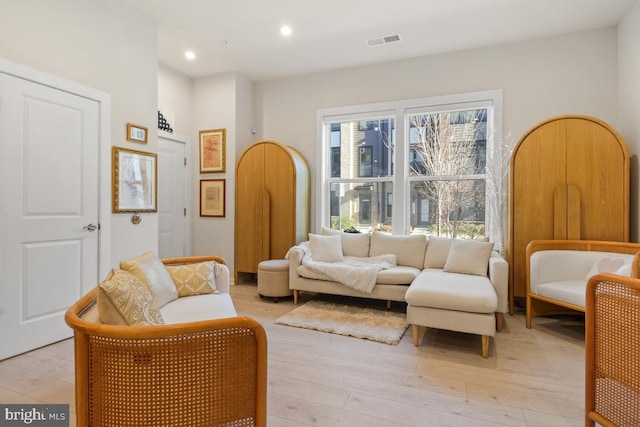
90	227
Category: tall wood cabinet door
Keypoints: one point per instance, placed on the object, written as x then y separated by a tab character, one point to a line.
604	188
537	169
279	182
249	187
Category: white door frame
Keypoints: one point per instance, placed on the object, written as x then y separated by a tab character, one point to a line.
104	100
187	185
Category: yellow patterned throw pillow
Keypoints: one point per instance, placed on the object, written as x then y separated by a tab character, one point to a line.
194	279
124	300
153	273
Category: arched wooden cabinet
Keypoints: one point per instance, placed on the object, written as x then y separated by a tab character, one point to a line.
272	204
569	179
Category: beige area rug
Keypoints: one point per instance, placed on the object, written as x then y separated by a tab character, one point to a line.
361	322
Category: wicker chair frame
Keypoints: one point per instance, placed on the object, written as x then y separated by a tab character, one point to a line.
612	380
538	305
205	373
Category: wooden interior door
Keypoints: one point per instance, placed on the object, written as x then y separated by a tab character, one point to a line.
596	165
249	195
537	170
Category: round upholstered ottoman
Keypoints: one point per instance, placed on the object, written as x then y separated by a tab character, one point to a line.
273	279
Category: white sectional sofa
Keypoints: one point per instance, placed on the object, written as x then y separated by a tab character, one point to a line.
558	271
453	284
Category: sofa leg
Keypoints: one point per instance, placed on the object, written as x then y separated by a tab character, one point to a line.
528	314
485	346
295	296
388	304
416	334
499	319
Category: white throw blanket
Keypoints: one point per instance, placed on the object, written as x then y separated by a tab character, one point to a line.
358	273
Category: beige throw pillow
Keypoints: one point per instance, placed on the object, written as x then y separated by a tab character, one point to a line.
124	300
353	244
193	279
437	252
153	273
468	257
325	248
409	250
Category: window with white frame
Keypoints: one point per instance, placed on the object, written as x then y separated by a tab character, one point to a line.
429	166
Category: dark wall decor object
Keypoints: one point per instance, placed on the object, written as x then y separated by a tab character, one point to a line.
163	124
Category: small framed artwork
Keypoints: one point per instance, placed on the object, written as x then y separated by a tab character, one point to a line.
212	150
134	178
137	133
212	197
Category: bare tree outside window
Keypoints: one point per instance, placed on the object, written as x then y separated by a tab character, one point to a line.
448	149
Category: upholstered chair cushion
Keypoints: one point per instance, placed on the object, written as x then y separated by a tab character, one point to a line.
153	273
325	248
124	300
409	250
468	257
193	279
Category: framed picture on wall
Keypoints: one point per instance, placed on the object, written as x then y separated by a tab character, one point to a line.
212	198
137	133
212	151
134	178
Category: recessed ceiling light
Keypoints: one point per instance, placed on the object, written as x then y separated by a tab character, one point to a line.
286	30
190	55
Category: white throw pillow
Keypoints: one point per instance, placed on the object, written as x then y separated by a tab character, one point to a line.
608	265
326	248
153	273
468	257
353	244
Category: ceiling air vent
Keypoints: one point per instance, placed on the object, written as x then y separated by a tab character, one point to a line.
379	41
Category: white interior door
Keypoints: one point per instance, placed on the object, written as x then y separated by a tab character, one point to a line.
172	196
49	211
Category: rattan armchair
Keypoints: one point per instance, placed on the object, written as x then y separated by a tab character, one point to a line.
205	373
612	382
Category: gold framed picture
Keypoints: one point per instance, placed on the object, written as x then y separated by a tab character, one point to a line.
137	133
134	178
213	151
212	197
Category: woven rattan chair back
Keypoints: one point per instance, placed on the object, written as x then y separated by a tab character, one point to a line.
613	351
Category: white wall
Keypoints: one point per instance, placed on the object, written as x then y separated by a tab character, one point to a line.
103	45
175	99
574	73
629	103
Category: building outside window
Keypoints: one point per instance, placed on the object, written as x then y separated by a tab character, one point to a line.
417	166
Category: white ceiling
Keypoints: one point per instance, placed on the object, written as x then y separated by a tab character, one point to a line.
243	35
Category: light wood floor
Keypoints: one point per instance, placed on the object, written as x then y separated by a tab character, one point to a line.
531	378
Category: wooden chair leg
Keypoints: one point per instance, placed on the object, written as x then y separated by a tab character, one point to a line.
295	296
416	334
499	319
528	322
485	346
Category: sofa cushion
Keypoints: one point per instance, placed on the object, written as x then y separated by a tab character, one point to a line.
409	250
325	248
199	307
609	264
124	300
397	275
153	273
468	257
353	244
437	252
451	291
569	291
193	279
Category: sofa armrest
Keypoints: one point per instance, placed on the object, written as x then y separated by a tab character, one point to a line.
499	276
294	256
